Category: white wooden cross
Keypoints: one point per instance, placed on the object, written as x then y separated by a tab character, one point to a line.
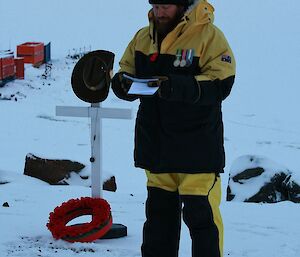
96	113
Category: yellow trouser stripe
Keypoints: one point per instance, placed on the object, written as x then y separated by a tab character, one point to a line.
214	199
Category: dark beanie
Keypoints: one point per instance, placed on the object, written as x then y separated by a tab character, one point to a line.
177	2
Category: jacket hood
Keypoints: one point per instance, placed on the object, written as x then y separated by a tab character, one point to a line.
201	12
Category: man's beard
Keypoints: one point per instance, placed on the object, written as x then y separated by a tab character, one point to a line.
166	25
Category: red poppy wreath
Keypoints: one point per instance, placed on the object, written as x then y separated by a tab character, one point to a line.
86	232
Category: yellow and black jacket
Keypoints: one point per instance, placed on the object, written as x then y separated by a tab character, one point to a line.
180	134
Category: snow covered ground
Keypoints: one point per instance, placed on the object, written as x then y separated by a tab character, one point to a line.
260	116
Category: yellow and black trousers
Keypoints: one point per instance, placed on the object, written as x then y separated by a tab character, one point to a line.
195	198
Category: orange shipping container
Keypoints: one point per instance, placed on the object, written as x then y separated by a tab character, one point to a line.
33	52
7	66
19	63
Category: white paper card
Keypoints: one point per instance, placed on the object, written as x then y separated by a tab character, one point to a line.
140	86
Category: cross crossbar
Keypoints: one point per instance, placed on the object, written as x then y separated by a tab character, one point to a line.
109	113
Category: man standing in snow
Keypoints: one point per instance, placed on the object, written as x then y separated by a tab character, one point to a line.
179	130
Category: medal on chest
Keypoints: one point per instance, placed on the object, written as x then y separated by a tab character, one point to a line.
178	58
184	58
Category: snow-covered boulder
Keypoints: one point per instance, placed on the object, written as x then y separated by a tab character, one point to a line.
259	179
63	172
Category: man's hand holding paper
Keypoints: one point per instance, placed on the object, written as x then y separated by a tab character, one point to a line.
147	86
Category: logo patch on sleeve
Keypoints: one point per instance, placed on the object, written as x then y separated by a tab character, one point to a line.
226	58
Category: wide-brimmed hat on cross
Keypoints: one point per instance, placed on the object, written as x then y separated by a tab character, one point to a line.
92	75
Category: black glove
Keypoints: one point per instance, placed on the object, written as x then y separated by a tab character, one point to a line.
181	88
121	85
163	83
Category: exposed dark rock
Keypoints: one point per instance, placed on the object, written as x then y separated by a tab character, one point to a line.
50	171
271	192
229	196
5	204
249	173
110	184
292	188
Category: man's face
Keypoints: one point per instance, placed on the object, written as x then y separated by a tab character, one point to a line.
164	13
167	16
